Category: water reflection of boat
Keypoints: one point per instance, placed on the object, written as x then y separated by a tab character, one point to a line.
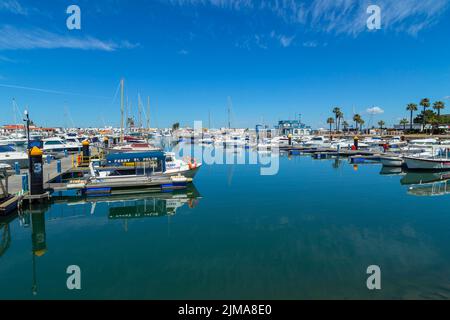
132	206
391	171
427	184
414	177
5	233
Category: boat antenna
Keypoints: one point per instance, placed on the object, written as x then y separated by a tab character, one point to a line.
139	111
148	113
121	109
229	112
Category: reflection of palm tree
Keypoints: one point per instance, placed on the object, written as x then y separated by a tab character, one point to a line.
411	107
336	163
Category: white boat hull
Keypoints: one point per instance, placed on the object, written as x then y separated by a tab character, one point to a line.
392	161
23	162
427	164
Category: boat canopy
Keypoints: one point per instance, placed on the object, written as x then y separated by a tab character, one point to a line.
118	158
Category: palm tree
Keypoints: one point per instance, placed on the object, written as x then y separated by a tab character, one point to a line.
425	103
404	122
336	112
345	125
357	119
411	107
381	123
438	105
330	121
361	123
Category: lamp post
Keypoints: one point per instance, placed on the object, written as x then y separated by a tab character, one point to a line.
27	128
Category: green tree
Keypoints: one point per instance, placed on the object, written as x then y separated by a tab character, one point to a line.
337	112
381	123
356	119
345	125
330	121
404	122
175	126
361	124
438	105
412	107
425	103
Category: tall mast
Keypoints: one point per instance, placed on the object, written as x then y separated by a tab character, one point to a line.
148	113
139	111
14	110
229	112
121	110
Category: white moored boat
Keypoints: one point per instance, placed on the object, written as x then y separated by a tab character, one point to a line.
9	156
427	163
392	161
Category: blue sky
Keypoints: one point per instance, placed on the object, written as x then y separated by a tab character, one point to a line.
275	59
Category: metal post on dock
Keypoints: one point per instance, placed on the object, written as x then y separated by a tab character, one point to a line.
25	185
36	172
17	168
59	170
86	152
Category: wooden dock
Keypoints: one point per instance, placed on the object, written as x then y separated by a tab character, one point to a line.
50	172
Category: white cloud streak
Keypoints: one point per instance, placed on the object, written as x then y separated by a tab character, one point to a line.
337	17
13	6
13	38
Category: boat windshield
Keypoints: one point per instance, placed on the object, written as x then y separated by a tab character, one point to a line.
5	148
53	142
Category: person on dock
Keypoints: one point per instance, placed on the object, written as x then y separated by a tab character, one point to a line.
355	143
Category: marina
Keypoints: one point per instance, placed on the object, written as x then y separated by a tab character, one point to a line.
208	229
235	157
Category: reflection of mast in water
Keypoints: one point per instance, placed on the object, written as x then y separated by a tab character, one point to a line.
38	239
5	239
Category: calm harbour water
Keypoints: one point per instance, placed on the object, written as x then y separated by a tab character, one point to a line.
309	232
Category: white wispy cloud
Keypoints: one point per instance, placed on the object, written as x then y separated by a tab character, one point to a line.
13	38
13	6
6	59
286	41
310	44
339	16
375	110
